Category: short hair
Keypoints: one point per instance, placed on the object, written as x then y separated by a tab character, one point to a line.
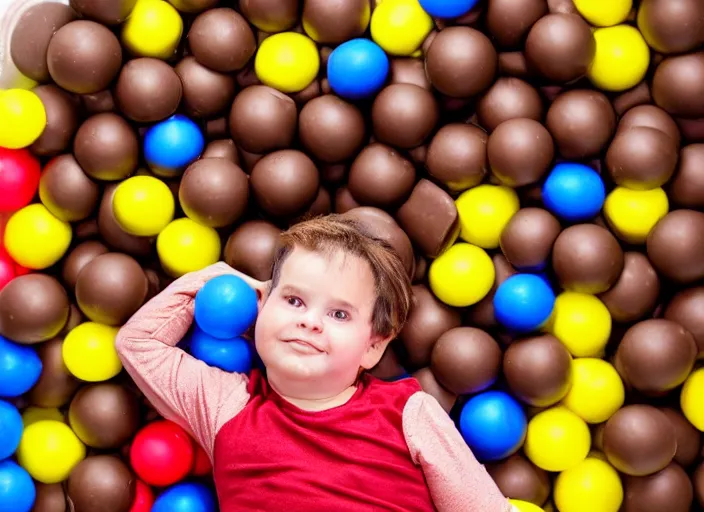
337	232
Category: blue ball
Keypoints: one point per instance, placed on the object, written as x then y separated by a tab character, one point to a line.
20	368
448	8
173	144
357	69
233	355
11	428
574	192
17	491
523	302
225	307
185	497
493	424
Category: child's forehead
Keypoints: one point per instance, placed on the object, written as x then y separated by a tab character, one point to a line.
326	260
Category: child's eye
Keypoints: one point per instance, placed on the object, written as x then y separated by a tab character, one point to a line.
294	301
340	315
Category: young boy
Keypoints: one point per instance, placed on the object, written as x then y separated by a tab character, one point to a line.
314	432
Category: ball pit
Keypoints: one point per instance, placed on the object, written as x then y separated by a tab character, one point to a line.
536	164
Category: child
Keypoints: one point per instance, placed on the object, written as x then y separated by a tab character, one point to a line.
314	431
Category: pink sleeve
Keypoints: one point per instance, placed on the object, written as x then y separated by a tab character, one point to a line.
457	481
185	390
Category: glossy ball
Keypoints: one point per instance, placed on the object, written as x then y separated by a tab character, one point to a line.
18	492
668	489
101	481
596	390
49	450
19	178
517	477
24	118
690	399
621	60
591	483
582	322
162	453
444	9
400	26
462	275
251	248
106	147
222	40
484	212
185	246
509	98
89	352
357	69
148	90
557	439
674	245
380	176
287	61
331	129
12	428
604	13
153	29
457	156
206	93
573	192
523	302
36	239
67	192
683	309
334	23
527	239
671	27
232	355
143	205
677	85
404	115
632	214
186	497
20	368
642	158
173	144
686	189
225	307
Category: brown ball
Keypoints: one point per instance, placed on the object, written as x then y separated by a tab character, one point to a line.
509	98
99	102
698	482
461	62
49	498
106	147
107	12
520	152
689	439
404	115
148	90
271	16
528	238
538	370
223	148
329	22
650	116
344	201
430	385
678	85
687	186
635	292
251	248
66	191
101	482
331	129
78	258
466	360
657	355
519	479
671	26
509	21
263	119
409	71
381	177
222	40
112	233
669	489
676	244
61	121
685	308
56	385
84	57
206	93
457	156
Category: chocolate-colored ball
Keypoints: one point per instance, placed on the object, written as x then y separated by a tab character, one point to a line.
107	12
223	148
430	385
686	189
106	147
331	129
509	98
79	258
56	385
685	308
404	115
669	489
381	177
509	21
334	22
676	244
61	120
678	85
657	355
66	191
344	201
519	479
111	288
112	233
206	93
222	40
520	152
214	192
251	248
457	156
33	308
148	90
271	16
263	119
582	123
635	292
99	102
409	71
84	57
461	62
650	116
671	26
49	498
587	258
466	360
698	482
528	238
101	482
689	439
538	370
104	415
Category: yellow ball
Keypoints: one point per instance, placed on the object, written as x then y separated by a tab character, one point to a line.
691	400
597	390
89	352
557	439
604	13
462	275
632	214
36	239
34	414
23	118
49	450
484	212
400	26
287	61
581	322
621	59
143	205
153	29
185	246
589	486
525	506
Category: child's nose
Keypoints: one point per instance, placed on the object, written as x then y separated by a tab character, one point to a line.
310	320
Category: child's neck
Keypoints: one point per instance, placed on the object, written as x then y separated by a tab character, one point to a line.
316	404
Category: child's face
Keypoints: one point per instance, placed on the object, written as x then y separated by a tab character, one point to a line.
314	331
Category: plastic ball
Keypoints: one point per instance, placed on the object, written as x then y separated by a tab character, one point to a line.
153	29
49	450
525	506
581	322
143	498
186	497
143	205
462	275
10	429
7	269
36	239
202	465
484	212
17	490
621	59
357	69
493	424
557	439
400	26
287	61
233	355
597	390
162	453
19	178
89	352
593	484
632	214
691	399
225	307
448	9
172	145
523	302
573	192
604	13
34	414
23	118
20	368
185	246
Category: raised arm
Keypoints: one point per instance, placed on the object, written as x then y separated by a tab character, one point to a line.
457	481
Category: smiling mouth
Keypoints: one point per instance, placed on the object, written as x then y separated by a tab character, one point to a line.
304	344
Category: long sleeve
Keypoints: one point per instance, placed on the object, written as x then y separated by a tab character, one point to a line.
183	389
457	481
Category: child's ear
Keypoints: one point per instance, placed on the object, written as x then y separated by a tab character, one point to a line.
263	289
375	350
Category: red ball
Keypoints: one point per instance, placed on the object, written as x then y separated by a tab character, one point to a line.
201	466
143	498
21	271
162	453
7	270
19	178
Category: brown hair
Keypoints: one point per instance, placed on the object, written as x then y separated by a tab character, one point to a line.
337	232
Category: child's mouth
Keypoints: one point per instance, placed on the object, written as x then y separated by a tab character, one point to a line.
303	346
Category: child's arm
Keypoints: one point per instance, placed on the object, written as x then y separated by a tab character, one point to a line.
457	481
183	389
